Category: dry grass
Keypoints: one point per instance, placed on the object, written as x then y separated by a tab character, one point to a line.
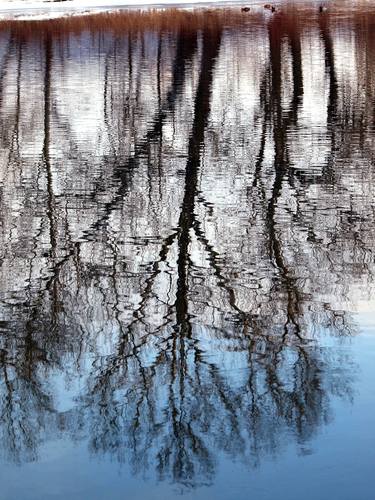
131	21
290	16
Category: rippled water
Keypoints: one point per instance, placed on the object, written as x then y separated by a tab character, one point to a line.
187	233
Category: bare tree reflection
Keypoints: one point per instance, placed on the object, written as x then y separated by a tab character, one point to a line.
177	230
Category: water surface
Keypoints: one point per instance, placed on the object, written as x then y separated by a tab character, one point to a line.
187	233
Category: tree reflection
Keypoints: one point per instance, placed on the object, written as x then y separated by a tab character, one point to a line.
176	234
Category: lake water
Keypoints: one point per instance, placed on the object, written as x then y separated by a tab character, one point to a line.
187	232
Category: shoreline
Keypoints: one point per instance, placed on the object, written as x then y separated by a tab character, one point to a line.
47	9
78	5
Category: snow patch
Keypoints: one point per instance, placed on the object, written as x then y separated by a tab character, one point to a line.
47	9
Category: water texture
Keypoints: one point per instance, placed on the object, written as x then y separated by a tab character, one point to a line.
187	227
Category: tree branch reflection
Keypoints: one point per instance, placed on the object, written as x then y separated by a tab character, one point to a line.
176	235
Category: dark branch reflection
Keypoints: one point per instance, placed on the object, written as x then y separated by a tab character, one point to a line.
180	224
